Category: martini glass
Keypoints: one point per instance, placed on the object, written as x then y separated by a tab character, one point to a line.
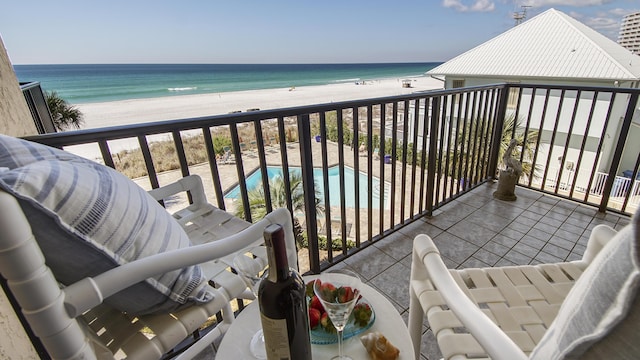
252	271
338	291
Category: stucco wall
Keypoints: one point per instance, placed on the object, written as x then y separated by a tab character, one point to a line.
15	117
14	343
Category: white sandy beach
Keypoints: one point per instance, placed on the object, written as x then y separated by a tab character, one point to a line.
125	112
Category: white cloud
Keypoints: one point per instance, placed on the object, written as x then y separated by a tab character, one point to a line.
621	12
476	6
483	5
600	23
578	3
605	22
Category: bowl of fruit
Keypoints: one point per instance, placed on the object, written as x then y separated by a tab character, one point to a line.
323	331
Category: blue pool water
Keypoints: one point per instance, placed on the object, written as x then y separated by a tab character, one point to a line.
254	180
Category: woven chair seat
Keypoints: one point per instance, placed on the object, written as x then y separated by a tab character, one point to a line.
506	311
521	300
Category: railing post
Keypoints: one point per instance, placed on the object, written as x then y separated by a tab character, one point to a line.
497	131
304	131
235	143
433	148
617	155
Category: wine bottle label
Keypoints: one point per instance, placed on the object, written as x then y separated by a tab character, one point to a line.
276	338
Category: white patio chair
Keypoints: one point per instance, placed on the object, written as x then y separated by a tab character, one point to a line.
74	323
583	309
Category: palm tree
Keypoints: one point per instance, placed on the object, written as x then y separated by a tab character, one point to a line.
64	115
258	207
510	126
257	203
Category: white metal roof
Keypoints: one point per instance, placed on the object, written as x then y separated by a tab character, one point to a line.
551	44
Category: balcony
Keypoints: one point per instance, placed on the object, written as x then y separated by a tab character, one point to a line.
368	175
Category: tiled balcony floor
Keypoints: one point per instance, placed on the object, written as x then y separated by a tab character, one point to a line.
477	230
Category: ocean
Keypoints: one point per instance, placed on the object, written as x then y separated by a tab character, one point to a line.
110	82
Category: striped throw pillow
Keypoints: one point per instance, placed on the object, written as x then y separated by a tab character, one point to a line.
88	218
600	318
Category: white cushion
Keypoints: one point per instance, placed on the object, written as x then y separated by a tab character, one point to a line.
600	315
88	218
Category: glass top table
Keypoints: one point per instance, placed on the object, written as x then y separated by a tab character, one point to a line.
235	344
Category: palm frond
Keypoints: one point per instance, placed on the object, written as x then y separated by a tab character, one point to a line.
64	115
257	203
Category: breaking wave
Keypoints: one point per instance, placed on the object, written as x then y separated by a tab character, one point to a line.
346	80
183	88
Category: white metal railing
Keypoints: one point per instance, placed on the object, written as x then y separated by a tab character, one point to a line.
621	186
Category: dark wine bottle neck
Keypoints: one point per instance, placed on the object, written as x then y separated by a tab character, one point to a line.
277	252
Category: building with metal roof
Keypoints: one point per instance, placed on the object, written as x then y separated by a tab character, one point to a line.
551	47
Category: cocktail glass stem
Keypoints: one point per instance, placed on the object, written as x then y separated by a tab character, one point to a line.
340	340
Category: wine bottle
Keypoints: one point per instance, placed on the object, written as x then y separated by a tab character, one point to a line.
283	304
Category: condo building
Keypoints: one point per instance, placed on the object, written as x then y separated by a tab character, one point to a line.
629	36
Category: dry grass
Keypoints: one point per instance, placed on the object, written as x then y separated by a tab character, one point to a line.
164	155
165	158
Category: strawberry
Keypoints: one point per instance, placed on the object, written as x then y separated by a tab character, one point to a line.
324	320
362	314
314	318
326	324
327	291
344	294
316	304
309	288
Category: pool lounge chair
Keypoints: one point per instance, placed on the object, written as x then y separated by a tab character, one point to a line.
336	228
227	158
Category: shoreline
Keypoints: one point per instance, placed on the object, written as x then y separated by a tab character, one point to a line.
136	111
125	112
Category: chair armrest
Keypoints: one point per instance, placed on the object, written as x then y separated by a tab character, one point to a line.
497	344
89	292
191	183
600	236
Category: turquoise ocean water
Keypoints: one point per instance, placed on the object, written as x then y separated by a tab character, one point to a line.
110	82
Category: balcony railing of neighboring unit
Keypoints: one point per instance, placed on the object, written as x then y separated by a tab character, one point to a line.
38	106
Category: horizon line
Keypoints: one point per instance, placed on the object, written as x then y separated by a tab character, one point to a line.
240	63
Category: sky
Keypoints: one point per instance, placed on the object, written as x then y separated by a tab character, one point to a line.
277	31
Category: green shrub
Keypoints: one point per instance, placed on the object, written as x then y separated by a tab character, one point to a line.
336	243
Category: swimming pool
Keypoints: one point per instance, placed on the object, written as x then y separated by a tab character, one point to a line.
255	179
